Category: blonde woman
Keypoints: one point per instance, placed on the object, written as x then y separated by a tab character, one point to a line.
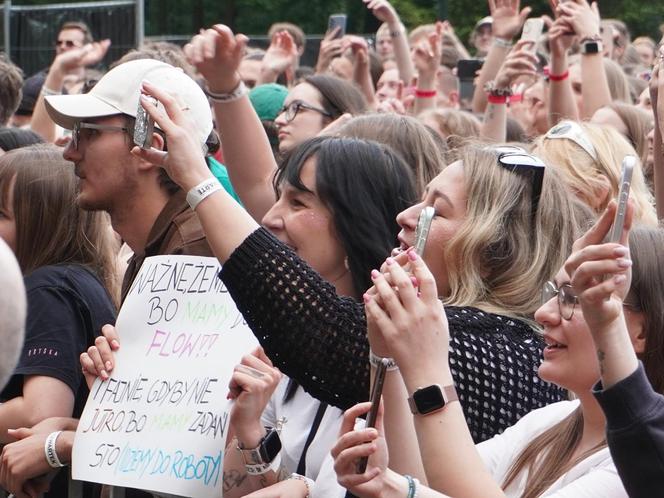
589	158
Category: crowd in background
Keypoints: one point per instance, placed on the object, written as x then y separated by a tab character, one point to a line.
523	339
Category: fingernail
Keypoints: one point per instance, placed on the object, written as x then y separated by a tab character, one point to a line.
228	395
115	343
374	274
624	263
619	279
108	365
104	374
621	251
366	298
389	261
412	255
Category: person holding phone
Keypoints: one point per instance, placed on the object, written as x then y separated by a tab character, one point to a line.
559	450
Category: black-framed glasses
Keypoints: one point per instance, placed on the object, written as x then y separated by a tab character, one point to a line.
79	125
519	161
567	299
66	43
290	111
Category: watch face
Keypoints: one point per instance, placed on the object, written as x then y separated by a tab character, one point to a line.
270	446
429	399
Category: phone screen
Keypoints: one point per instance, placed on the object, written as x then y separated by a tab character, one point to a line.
337	21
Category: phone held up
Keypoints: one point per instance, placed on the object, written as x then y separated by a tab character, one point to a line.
532	30
337	21
376	393
628	165
422	230
144	126
466	72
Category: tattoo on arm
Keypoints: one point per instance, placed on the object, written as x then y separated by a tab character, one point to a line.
233	479
600	356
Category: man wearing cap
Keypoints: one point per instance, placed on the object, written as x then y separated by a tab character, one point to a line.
147	209
480	38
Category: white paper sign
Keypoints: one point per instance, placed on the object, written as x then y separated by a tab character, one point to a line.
160	422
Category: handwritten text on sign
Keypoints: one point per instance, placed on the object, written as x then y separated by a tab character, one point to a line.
161	420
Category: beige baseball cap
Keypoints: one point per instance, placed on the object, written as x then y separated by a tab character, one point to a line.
119	90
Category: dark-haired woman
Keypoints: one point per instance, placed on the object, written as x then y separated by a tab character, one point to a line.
67	258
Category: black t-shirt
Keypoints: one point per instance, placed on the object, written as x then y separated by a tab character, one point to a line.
67	306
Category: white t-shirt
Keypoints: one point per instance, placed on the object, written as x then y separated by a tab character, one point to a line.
296	418
593	477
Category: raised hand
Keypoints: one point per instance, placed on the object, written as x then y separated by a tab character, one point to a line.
383	10
355	444
508	18
330	48
251	385
582	17
87	55
592	261
281	55
426	55
216	53
520	62
561	36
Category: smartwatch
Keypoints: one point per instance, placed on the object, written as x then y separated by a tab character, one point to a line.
267	450
431	399
591	47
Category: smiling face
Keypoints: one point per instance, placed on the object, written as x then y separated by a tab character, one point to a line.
446	193
570	359
306	124
300	220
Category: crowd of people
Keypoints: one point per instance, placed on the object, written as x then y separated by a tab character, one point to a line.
524	348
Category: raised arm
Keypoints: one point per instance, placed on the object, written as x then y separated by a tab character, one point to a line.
217	54
562	103
63	64
427	62
656	90
520	62
385	12
507	23
280	57
585	21
362	69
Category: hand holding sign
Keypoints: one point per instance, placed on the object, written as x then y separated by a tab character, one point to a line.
99	360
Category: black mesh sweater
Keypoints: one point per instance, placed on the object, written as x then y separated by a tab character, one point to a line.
319	339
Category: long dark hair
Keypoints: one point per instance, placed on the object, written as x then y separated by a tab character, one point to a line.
338	96
364	185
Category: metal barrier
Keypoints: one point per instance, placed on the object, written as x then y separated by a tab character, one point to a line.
29	31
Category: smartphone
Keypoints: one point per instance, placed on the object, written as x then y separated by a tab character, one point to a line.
532	30
466	72
376	393
337	21
422	230
628	165
144	126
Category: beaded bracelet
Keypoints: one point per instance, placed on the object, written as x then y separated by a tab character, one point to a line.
307	482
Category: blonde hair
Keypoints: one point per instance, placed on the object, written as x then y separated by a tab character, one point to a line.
584	175
454	125
501	255
618	82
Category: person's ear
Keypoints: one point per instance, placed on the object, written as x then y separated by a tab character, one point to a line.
637	334
453	99
159	143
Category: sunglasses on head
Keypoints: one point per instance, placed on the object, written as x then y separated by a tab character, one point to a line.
519	161
572	131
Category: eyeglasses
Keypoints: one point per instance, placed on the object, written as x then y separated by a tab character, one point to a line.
66	43
79	125
290	111
518	161
567	300
572	131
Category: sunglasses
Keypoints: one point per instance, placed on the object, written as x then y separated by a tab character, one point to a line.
572	131
518	161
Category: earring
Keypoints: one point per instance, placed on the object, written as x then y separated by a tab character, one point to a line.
346	263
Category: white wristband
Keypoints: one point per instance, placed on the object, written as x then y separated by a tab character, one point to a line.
309	483
374	360
224	98
201	191
49	450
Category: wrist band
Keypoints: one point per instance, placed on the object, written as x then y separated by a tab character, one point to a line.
517	97
224	98
413	486
204	189
559	77
374	360
496	99
263	468
47	92
49	450
425	94
309	483
502	43
396	33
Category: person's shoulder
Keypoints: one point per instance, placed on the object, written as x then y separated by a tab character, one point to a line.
541	419
478	320
72	278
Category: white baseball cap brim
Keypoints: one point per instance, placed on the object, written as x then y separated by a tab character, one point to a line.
66	110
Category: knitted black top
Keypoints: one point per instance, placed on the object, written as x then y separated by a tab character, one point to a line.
319	339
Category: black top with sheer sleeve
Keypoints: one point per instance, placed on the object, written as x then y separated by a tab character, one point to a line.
319	339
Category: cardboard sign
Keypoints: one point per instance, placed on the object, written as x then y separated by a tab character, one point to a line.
160	422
